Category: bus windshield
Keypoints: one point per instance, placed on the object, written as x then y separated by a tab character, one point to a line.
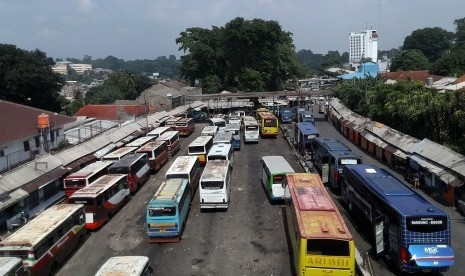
278	179
269	122
217	157
116	170
212	184
162	211
196	149
75	182
82	200
251	128
328	247
177	175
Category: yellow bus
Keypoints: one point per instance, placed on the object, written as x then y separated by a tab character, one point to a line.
259	110
321	242
268	124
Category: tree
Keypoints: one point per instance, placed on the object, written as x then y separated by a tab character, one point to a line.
410	60
459	32
452	64
26	77
234	52
331	59
432	42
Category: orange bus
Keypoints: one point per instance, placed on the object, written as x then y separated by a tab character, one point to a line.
102	198
321	242
47	240
157	151
185	126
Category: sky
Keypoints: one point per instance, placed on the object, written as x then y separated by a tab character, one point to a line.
147	29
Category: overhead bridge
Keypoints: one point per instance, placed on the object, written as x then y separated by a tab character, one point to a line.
248	95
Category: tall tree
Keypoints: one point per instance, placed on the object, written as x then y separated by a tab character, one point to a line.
410	60
432	42
460	32
26	77
240	51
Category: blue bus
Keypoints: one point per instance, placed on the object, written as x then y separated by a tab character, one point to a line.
330	156
286	115
307	117
403	224
167	211
304	135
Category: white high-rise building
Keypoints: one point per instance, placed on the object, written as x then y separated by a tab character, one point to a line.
363	45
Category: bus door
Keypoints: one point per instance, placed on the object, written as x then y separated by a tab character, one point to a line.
325	169
378	230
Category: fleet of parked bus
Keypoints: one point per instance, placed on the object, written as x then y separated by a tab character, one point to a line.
404	225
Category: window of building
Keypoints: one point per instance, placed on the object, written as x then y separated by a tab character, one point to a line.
37	139
2	152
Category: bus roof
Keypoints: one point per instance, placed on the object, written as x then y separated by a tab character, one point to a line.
222	136
200	141
140	141
168	135
182	164
123	266
158	131
221	149
210	129
184	120
249	118
233	126
317	215
90	169
151	145
395	193
169	192
215	170
266	115
98	186
277	164
120	152
40	227
345	154
127	160
173	120
308	129
9	263
332	144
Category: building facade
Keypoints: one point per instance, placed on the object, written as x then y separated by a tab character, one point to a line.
363	45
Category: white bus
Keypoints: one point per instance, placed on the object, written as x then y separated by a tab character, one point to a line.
200	148
46	241
234	128
11	266
118	154
234	117
223	138
251	129
209	131
85	176
274	170
127	266
215	185
221	152
158	131
172	140
141	141
219	122
186	167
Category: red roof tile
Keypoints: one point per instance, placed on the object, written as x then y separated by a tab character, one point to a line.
111	112
413	75
20	121
460	79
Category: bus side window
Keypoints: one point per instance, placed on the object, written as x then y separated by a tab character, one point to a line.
100	198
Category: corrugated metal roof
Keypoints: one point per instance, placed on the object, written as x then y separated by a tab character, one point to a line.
440	155
8	199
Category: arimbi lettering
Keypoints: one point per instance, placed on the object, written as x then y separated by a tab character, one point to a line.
328	262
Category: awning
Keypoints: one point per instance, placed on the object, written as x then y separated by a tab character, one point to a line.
83	160
6	200
373	139
45	179
427	165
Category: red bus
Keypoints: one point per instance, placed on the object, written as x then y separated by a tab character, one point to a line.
102	198
136	166
46	241
172	140
141	141
157	153
185	126
85	176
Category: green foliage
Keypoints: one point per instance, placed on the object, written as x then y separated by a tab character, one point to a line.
26	78
124	85
452	64
409	107
459	32
408	60
432	42
331	59
211	84
236	52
